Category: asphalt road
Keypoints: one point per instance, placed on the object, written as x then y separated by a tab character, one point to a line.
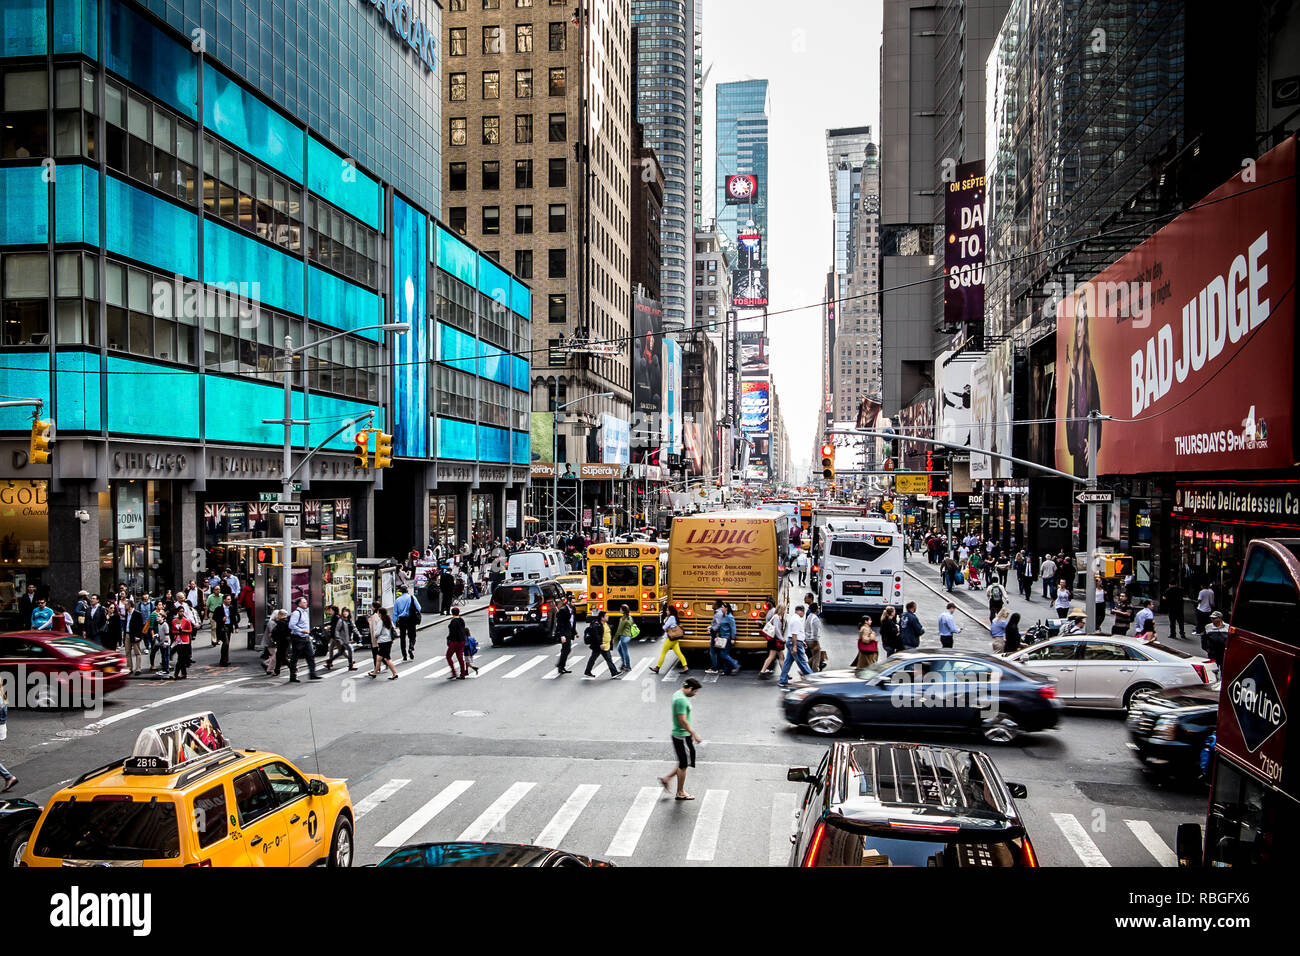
517	753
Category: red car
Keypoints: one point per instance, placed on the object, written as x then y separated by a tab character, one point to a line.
58	670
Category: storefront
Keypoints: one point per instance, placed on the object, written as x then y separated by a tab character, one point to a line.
1214	520
135	530
443	515
24	540
483	519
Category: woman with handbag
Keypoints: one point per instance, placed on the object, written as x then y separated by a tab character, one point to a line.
868	647
890	628
673	633
722	641
774	631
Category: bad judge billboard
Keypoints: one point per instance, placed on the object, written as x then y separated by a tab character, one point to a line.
1187	343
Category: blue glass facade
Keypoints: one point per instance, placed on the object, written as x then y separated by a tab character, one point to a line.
741	118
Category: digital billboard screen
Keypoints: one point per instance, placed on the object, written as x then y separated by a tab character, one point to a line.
749	288
647	355
963	252
754	405
741	189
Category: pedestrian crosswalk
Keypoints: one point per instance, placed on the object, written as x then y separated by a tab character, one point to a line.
642	824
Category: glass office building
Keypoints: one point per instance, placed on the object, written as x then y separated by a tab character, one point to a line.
183	184
741	119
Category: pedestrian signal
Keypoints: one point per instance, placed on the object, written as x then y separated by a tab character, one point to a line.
39	452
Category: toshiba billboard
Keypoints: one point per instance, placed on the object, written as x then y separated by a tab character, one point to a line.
1188	342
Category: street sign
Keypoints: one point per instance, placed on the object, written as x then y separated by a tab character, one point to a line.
1095	497
291	521
287	508
268	496
918	484
296	486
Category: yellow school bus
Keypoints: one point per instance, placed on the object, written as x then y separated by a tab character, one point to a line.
732	555
631	573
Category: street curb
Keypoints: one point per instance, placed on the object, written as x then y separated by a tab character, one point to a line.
947	597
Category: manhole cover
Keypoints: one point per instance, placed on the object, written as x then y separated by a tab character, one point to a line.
470	713
69	734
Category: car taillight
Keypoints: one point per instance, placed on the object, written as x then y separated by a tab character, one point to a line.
545	608
85	666
678	605
645	595
690	613
491	609
924	826
1047	691
111	798
1200	672
815	845
1027	855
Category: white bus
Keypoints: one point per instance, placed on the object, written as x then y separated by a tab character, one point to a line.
861	569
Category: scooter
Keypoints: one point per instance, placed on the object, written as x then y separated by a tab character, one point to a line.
1041	631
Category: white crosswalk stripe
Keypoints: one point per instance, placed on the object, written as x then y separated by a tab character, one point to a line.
708	823
525	666
1079	840
494	663
361	808
633	825
783	824
567	815
637	670
666	671
1147	836
490	818
412	825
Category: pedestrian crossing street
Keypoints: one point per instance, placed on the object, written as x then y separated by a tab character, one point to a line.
743	814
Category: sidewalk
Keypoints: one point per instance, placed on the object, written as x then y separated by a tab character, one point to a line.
975	604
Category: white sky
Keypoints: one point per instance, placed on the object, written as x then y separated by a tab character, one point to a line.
821	59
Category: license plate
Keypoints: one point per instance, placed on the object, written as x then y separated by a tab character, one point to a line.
516	617
110	670
863	588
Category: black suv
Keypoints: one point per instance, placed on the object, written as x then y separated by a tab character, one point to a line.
523	609
1168	730
887	804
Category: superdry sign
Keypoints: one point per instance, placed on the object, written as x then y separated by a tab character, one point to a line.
1253	706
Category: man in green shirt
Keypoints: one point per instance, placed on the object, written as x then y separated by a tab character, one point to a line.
684	737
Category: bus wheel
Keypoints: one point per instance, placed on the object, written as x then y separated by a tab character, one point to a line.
825	718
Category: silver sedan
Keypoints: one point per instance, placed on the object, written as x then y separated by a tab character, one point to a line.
1104	671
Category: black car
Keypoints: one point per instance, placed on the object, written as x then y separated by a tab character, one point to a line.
523	609
887	804
927	689
17	819
1168	730
485	854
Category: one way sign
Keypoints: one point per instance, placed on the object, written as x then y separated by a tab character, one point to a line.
287	508
1095	497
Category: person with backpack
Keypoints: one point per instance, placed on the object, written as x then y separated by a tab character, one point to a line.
910	629
457	635
949	569
342	634
282	637
598	638
406	613
997	596
627	630
565	631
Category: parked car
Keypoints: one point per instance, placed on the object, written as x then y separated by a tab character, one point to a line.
485	854
72	669
1168	731
17	818
896	804
1105	671
927	689
523	609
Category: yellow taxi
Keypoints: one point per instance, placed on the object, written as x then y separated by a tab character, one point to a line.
185	797
576	586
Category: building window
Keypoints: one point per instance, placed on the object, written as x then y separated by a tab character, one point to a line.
459	88
523	3
556	307
491	4
523	174
491	220
556	263
523	127
524	263
491	130
457	218
459	130
555	39
557	217
555	81
457	177
457	6
558	128
523	84
557	171
491	39
523	38
457	41
491	85
491	174
523	219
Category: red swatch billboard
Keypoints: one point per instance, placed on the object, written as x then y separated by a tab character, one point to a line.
1188	341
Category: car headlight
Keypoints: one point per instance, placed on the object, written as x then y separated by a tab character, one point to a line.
799	693
1166	728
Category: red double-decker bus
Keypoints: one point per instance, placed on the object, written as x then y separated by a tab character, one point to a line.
1254	813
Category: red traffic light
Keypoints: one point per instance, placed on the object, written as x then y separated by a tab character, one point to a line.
828	450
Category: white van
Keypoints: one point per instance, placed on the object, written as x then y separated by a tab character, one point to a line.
538	565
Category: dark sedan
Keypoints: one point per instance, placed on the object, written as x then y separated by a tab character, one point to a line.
927	689
17	820
1168	730
485	854
59	670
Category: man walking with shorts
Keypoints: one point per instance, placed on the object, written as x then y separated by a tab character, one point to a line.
684	737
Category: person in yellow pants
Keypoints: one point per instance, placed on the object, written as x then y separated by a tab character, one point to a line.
672	634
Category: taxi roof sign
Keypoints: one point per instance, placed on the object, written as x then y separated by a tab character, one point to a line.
162	748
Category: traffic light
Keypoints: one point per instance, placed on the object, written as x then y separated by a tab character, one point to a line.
828	461
362	456
39	452
383	450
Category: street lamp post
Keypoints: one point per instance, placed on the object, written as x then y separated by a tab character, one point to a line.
555	455
287	471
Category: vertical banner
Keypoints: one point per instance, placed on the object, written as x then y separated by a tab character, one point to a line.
991	412
952	380
410	351
647	357
963	253
672	386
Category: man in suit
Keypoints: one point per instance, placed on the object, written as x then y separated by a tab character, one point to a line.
97	621
26	604
447	585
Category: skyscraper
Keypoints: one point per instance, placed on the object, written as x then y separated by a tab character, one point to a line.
665	93
741	118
